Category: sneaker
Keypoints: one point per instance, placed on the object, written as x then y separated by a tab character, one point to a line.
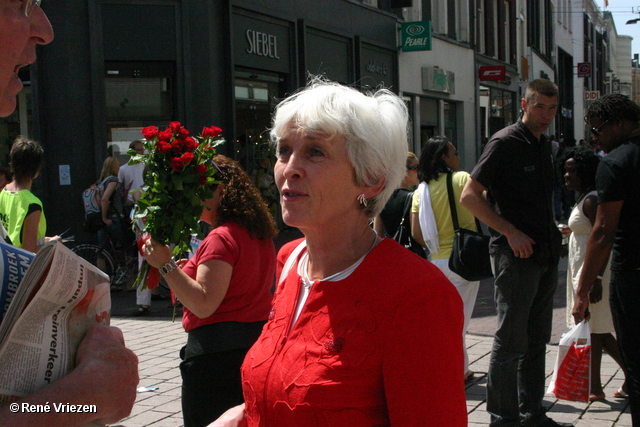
140	311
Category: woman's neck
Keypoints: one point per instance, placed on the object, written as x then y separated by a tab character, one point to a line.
15	186
330	253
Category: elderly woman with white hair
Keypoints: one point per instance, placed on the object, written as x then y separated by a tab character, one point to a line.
362	332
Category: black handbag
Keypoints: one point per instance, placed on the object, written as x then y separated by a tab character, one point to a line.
470	257
403	235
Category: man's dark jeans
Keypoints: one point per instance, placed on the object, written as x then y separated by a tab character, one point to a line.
524	290
625	308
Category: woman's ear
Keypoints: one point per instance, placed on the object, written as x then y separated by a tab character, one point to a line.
376	189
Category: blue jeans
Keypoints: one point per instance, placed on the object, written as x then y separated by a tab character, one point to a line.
624	301
524	290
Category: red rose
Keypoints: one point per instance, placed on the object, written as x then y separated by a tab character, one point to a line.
153	278
177	145
162	147
176	164
190	144
183	133
150	132
201	170
175	127
187	158
165	135
211	132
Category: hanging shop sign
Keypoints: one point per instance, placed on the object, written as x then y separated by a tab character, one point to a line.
416	36
497	73
584	69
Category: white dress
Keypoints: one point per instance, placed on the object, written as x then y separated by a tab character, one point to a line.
601	321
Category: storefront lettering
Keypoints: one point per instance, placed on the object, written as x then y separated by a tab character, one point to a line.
262	44
372	67
418	41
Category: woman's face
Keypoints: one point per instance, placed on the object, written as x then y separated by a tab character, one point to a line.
210	211
412	173
315	179
571	179
451	158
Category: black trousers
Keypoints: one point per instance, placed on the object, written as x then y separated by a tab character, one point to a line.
624	298
211	384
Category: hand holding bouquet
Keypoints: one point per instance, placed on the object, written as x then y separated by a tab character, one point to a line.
178	178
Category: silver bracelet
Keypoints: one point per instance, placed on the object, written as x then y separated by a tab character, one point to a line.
168	267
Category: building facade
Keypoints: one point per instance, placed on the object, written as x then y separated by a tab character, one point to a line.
116	66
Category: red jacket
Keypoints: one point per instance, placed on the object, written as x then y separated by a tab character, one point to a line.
381	347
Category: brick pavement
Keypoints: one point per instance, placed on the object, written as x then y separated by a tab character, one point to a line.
157	340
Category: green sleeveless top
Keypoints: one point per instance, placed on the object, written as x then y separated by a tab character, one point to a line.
14	208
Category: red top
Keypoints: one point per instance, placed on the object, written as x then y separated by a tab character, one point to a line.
248	298
382	347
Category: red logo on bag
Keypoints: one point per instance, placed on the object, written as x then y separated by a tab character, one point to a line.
572	382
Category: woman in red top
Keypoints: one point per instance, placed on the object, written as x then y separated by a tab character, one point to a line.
362	332
225	290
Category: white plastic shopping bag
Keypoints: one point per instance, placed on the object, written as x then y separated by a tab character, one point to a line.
572	373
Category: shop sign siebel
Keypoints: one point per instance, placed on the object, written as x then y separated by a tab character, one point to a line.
416	36
262	44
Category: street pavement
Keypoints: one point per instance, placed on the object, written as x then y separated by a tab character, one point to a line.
157	340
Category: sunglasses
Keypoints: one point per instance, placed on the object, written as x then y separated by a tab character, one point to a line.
30	5
412	168
596	131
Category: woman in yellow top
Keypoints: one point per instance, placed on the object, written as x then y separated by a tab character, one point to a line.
21	211
431	223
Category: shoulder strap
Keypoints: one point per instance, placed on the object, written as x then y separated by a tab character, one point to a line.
291	260
452	206
452	202
407	205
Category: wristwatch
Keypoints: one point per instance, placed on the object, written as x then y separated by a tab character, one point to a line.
168	267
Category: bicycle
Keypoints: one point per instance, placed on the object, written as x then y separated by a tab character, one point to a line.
118	266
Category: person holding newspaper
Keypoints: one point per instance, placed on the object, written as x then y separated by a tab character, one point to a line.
106	372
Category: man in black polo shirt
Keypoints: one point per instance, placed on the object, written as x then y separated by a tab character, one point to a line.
516	170
615	125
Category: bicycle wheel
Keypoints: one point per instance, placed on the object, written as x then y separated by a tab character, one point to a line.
97	256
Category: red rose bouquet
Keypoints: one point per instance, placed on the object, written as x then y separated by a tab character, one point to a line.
178	178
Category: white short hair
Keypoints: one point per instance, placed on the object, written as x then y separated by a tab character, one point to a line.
373	125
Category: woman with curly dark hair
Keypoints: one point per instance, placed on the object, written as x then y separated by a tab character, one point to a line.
578	166
225	290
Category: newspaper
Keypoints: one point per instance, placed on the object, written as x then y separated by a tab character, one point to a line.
60	296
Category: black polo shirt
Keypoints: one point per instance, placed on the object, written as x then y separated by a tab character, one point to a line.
517	171
618	179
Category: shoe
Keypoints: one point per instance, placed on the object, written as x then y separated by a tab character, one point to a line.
140	311
620	393
596	397
159	297
468	377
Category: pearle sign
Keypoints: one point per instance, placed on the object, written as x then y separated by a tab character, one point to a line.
262	44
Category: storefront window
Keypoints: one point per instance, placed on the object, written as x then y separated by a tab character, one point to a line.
497	110
137	94
257	93
428	119
450	122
